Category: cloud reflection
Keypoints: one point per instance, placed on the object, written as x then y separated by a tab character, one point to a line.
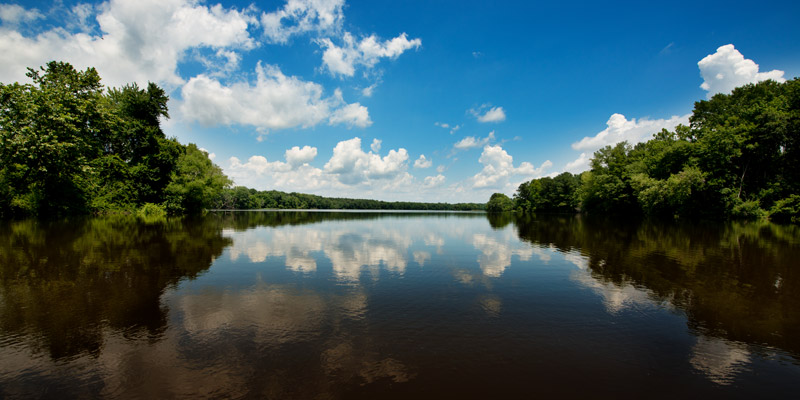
720	360
496	252
616	297
351	248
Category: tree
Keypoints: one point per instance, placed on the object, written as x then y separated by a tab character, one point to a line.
48	130
499	203
196	182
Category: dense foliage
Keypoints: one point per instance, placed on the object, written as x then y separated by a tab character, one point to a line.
242	198
738	158
69	147
499	203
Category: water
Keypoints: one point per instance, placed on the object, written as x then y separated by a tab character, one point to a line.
381	305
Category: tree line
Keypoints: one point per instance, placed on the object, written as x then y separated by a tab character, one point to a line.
738	158
243	198
68	146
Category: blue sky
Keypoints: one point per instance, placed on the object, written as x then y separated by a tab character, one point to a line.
410	100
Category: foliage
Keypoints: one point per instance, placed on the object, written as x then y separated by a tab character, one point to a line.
150	212
737	159
786	210
195	182
548	194
499	203
68	147
242	198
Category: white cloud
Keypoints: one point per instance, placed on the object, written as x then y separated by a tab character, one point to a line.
471	142
453	129
369	90
422	162
376	145
433	181
301	16
619	128
580	164
275	101
727	69
498	167
12	14
262	174
493	114
343	60
351	165
353	114
297	156
441	169
141	41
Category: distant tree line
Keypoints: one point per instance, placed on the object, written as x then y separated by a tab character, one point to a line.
243	198
738	158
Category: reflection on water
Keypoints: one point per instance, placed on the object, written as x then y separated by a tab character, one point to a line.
366	305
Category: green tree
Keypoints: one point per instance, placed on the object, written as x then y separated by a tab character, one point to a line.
499	203
196	182
48	131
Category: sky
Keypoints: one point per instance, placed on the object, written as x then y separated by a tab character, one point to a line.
410	100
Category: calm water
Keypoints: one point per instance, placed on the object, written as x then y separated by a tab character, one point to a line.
373	305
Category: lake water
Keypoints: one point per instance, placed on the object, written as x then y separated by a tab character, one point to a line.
405	305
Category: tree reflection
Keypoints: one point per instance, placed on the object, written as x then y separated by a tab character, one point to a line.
736	281
65	281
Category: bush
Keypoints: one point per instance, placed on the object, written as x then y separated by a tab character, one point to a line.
786	210
151	212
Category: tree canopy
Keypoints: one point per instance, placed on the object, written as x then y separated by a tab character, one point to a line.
67	146
738	158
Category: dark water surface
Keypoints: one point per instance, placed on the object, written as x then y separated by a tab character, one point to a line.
386	305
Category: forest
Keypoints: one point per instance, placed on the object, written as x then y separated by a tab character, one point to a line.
70	147
243	198
739	158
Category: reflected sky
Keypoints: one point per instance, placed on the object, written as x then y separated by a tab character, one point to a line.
313	305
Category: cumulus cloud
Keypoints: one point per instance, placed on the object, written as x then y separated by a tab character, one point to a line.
274	101
579	165
302	16
471	142
422	162
619	128
485	113
141	41
498	167
727	69
297	156
353	114
293	175
376	145
351	165
433	181
13	14
367	52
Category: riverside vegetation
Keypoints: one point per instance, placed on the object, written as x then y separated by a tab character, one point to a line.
68	146
738	158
